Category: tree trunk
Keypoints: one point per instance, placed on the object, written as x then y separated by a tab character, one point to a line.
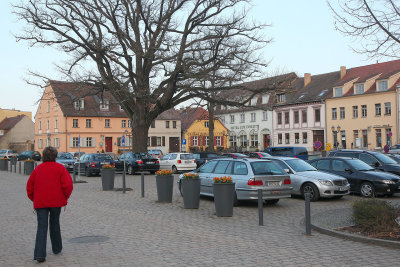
140	127
211	127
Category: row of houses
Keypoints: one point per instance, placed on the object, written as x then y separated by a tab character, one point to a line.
355	107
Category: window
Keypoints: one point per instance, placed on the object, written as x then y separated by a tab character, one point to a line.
378	134
364	111
253	101
279	118
48	124
334	113
79	104
107	123
240	168
40	125
388	109
287	138
254	140
153	124
304	116
378	110
166	124
232	118
56	123
323	165
342	113
222	118
88	142
355	134
174	124
317	115
75	123
243	140
206	124
265	115
297	138
296	116
207	140
232	141
218	140
388	137
120	108
279	138
75	141
359	89
339	165
88	123
158	141
355	112
123	124
287	117
129	124
253	116
195	140
242	118
382	85
370	160
338	91
104	104
305	138
265	99
40	143
280	98
48	106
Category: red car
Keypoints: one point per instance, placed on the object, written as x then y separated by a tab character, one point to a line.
259	155
234	155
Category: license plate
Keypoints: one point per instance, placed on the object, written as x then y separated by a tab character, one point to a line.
149	162
341	189
275	192
105	163
188	161
273	183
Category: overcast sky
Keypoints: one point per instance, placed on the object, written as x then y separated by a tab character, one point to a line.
304	41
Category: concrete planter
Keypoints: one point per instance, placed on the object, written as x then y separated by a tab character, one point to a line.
29	166
165	187
224	195
3	164
107	179
191	193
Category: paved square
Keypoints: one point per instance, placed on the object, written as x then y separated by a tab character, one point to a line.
143	232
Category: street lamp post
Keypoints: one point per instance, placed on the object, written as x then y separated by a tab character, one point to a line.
124	173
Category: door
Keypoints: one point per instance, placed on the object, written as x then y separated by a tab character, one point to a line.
266	140
318	135
108	144
174	144
164	161
339	168
206	175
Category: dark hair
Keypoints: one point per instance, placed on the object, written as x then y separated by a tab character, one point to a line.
49	154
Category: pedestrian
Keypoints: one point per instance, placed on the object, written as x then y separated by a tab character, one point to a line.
49	187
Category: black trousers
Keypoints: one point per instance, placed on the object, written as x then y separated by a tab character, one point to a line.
41	234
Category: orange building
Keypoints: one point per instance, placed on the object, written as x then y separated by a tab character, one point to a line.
75	114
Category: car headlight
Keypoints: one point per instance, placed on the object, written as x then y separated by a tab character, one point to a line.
325	182
388	182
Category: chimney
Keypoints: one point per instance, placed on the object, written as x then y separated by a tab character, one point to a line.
342	72
307	78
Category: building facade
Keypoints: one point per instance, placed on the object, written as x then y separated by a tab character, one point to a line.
17	133
8	113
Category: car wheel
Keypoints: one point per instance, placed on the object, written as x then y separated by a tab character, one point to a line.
87	172
271	201
236	202
312	189
174	169
152	172
180	188
130	170
367	189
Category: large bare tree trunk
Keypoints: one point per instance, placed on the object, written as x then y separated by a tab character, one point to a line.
140	124
211	126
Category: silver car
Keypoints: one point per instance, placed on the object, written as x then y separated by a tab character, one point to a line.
306	179
249	175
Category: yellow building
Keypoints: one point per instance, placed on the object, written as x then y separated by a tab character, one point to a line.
362	111
8	113
196	132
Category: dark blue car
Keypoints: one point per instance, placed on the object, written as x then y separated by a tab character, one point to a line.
91	163
288	151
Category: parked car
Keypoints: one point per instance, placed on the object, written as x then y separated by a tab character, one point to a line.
155	153
258	155
67	160
395	149
138	162
35	155
363	179
288	151
204	157
7	153
76	155
249	175
178	162
395	157
91	163
234	155
376	160
307	179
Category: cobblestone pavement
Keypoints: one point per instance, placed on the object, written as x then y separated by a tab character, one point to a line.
143	232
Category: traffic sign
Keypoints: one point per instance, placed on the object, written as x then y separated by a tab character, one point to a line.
123	140
317	144
183	141
328	146
386	148
390	134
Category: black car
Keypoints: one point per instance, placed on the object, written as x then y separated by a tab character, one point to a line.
35	155
395	157
376	160
138	162
362	177
67	160
92	163
204	157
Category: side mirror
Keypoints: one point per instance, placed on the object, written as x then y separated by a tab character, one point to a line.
287	170
348	170
376	164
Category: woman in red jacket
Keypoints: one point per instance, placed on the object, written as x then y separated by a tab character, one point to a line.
49	187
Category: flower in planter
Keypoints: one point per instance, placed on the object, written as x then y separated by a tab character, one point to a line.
4	158
107	166
190	176
29	160
163	172
223	180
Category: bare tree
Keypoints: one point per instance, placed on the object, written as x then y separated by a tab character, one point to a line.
150	54
375	23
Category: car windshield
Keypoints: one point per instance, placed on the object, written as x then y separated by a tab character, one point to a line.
102	157
64	156
266	168
142	155
196	156
187	156
299	165
359	165
264	154
3	151
385	159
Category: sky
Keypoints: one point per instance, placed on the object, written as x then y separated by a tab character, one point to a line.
303	33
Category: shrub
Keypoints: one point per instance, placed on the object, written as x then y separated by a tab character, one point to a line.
373	215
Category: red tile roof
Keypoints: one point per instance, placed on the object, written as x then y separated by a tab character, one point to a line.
189	115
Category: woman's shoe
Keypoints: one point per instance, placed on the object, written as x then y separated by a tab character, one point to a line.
40	259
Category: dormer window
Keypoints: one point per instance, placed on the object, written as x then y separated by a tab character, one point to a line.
338	91
206	124
265	99
79	104
253	101
48	106
104	104
120	108
280	98
382	85
359	88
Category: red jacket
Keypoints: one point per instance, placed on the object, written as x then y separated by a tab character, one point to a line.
49	185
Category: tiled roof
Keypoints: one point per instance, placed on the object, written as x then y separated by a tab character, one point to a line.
171	114
9	123
189	115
